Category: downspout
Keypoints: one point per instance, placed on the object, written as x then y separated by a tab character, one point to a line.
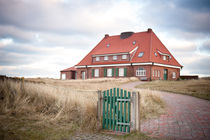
150	31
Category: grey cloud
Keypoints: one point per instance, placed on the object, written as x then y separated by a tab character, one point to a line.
170	16
200	66
205	47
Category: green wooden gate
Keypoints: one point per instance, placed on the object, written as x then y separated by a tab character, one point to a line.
116	110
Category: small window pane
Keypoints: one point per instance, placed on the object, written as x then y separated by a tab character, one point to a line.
106	58
97	58
134	42
114	57
164	57
141	54
124	56
155	54
107	45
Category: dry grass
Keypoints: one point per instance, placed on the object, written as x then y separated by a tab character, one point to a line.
198	88
57	109
151	104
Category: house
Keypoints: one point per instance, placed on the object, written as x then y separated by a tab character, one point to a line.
69	73
139	54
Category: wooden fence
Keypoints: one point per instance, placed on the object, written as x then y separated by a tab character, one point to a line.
119	110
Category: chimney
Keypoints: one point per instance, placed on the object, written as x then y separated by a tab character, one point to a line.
106	35
149	30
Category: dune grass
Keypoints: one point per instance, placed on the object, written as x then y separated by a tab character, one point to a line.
197	88
57	109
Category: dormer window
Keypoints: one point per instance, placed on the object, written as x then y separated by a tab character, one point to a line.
134	42
124	56
107	45
106	58
140	54
164	57
155	54
97	58
114	57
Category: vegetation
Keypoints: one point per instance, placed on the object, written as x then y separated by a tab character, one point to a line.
197	88
55	109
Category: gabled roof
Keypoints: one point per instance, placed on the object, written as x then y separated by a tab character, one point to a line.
146	42
69	69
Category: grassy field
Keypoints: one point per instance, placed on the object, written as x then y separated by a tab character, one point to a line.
56	109
197	88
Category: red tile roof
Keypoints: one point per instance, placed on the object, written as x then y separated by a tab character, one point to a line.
69	69
146	42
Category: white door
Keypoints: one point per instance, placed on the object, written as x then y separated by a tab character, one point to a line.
83	75
109	72
63	76
121	71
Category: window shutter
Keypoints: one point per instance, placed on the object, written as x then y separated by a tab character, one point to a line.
105	72
125	72
112	72
117	71
92	72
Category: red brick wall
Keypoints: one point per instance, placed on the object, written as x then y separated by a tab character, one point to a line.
170	71
131	71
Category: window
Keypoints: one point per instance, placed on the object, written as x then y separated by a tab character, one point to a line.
155	54
141	54
140	72
109	72
96	73
63	76
106	57
134	42
164	57
124	56
153	73
174	75
114	57
107	45
97	58
121	71
158	73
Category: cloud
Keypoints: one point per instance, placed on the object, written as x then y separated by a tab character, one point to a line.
5	41
205	47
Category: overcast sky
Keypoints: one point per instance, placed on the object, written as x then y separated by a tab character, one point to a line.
38	38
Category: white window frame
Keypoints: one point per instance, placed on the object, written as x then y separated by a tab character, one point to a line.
174	75
109	72
121	72
164	57
115	57
97	58
63	76
106	58
140	72
96	73
124	56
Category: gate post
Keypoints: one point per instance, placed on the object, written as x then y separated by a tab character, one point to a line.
138	124
135	112
99	106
